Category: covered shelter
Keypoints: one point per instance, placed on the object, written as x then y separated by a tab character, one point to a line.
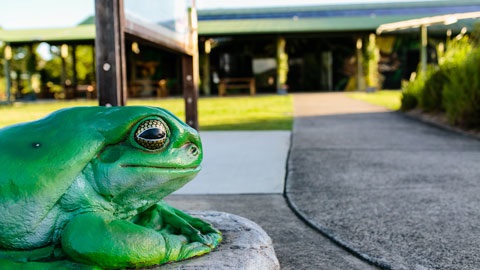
142	49
436	23
262	50
66	40
312	48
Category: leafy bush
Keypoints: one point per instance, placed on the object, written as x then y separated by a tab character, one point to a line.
409	101
461	93
411	93
453	86
430	97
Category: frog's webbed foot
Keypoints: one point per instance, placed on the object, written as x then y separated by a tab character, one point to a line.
170	221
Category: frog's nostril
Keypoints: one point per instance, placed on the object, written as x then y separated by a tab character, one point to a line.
194	150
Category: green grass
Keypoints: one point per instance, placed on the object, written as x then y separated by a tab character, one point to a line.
263	112
390	99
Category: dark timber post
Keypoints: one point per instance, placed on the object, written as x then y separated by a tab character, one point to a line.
74	70
190	91
8	56
110	52
190	73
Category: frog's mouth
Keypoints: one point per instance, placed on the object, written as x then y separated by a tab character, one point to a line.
164	170
193	168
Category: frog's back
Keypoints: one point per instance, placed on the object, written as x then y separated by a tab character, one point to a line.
40	160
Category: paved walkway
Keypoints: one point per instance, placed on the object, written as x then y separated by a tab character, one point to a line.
386	189
397	192
241	162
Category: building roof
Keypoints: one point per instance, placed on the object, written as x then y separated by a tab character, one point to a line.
79	33
302	19
295	25
323	18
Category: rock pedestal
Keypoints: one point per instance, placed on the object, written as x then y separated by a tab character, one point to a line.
245	246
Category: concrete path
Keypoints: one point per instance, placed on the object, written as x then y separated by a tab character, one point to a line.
395	191
241	162
297	246
244	173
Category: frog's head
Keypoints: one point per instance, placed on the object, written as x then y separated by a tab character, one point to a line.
157	155
131	156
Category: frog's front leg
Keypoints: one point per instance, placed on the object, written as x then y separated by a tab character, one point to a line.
169	220
97	239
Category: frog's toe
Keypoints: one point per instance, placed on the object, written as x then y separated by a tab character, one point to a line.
194	249
210	239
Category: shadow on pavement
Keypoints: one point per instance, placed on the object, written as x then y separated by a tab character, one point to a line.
397	192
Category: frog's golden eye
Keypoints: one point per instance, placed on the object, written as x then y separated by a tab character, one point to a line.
152	134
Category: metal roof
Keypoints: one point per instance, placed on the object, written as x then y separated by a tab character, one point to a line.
78	33
295	25
323	18
428	21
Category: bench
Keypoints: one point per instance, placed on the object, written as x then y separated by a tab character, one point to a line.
236	83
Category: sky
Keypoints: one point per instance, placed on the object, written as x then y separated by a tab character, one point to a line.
21	14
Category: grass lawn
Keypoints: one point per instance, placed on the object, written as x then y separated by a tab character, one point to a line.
390	99
262	112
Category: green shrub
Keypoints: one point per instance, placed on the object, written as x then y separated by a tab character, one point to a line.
409	102
461	93
411	93
430	97
458	50
453	86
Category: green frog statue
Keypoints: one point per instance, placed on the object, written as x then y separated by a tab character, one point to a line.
83	189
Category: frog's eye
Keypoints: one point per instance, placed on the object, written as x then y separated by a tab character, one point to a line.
152	134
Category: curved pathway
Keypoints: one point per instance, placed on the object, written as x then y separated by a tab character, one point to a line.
395	191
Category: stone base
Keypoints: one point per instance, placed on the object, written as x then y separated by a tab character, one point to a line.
245	245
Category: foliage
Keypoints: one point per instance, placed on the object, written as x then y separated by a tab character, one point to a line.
411	93
85	69
269	112
461	92
452	87
409	101
430	97
52	69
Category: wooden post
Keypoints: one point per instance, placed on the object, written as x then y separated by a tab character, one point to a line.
110	52
190	91
190	73
423	49
282	66
31	65
360	74
205	60
8	56
74	70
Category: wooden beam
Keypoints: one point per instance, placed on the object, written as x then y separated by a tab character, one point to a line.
423	49
110	53
190	91
190	72
8	81
360	74
282	65
74	71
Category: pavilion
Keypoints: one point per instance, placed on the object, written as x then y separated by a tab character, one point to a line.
304	48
